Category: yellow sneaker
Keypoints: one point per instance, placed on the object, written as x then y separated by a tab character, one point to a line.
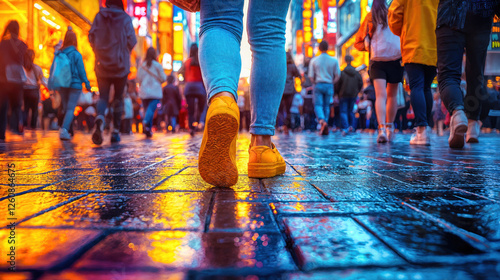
265	162
217	158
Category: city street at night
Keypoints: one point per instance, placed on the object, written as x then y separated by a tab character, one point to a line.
346	208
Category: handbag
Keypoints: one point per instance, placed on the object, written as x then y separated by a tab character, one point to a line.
154	76
192	6
15	74
401	101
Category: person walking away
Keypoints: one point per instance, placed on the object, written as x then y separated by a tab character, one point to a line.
194	91
220	37
35	78
415	22
112	37
150	77
364	109
172	100
386	71
324	71
438	114
128	113
463	25
350	84
12	76
70	95
286	101
296	110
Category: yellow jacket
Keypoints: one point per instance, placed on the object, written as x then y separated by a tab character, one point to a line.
415	22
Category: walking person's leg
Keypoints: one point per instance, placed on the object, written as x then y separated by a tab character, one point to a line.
4	107
34	108
104	85
391	109
118	107
73	95
380	106
476	47
344	109
150	105
416	77
350	113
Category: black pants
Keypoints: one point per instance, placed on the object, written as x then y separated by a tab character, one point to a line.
10	94
117	104
31	100
475	38
196	105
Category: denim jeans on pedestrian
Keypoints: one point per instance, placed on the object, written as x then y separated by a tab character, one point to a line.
323	93
475	38
117	105
346	112
150	105
420	77
220	37
69	100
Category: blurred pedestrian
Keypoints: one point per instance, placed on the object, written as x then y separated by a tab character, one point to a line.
171	101
12	77
364	109
150	77
463	25
350	84
296	111
35	78
112	38
194	91
70	95
386	70
415	22
286	101
438	114
324	72
220	38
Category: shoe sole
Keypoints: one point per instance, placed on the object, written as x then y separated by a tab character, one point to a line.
215	164
458	140
382	140
97	137
265	170
473	140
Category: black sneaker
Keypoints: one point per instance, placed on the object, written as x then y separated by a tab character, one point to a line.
97	136
148	132
115	137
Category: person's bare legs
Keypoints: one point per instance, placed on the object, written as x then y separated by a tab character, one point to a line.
381	99
392	103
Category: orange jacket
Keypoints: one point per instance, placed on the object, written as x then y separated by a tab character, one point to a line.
415	22
366	29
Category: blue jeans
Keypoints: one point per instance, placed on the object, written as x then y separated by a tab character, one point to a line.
420	77
323	93
220	37
69	99
346	112
150	105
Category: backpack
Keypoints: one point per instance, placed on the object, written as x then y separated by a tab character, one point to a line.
60	72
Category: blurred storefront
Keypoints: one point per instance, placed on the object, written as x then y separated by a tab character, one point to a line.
44	23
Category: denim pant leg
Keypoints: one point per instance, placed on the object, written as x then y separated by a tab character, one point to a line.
450	50
73	95
344	110
266	25
220	37
152	104
319	92
420	78
327	98
350	113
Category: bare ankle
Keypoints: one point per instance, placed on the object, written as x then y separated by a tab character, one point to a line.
261	140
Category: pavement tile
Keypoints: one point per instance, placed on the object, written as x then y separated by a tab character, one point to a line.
115	274
334	208
30	204
106	183
323	242
288	185
386	274
344	191
432	244
196	183
180	249
33	179
242	216
41	249
130	211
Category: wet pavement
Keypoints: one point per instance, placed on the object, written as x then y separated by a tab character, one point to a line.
346	208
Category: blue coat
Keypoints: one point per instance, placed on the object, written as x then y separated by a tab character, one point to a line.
78	73
112	38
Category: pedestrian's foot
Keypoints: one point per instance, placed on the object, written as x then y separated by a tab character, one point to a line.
115	137
389	130
420	137
217	158
97	136
458	128
324	128
382	137
473	130
265	162
191	132
148	132
64	134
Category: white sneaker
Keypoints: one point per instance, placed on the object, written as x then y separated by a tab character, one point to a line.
421	138
458	128
389	130
64	134
382	137
473	130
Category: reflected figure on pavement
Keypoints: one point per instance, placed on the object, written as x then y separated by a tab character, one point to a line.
220	61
